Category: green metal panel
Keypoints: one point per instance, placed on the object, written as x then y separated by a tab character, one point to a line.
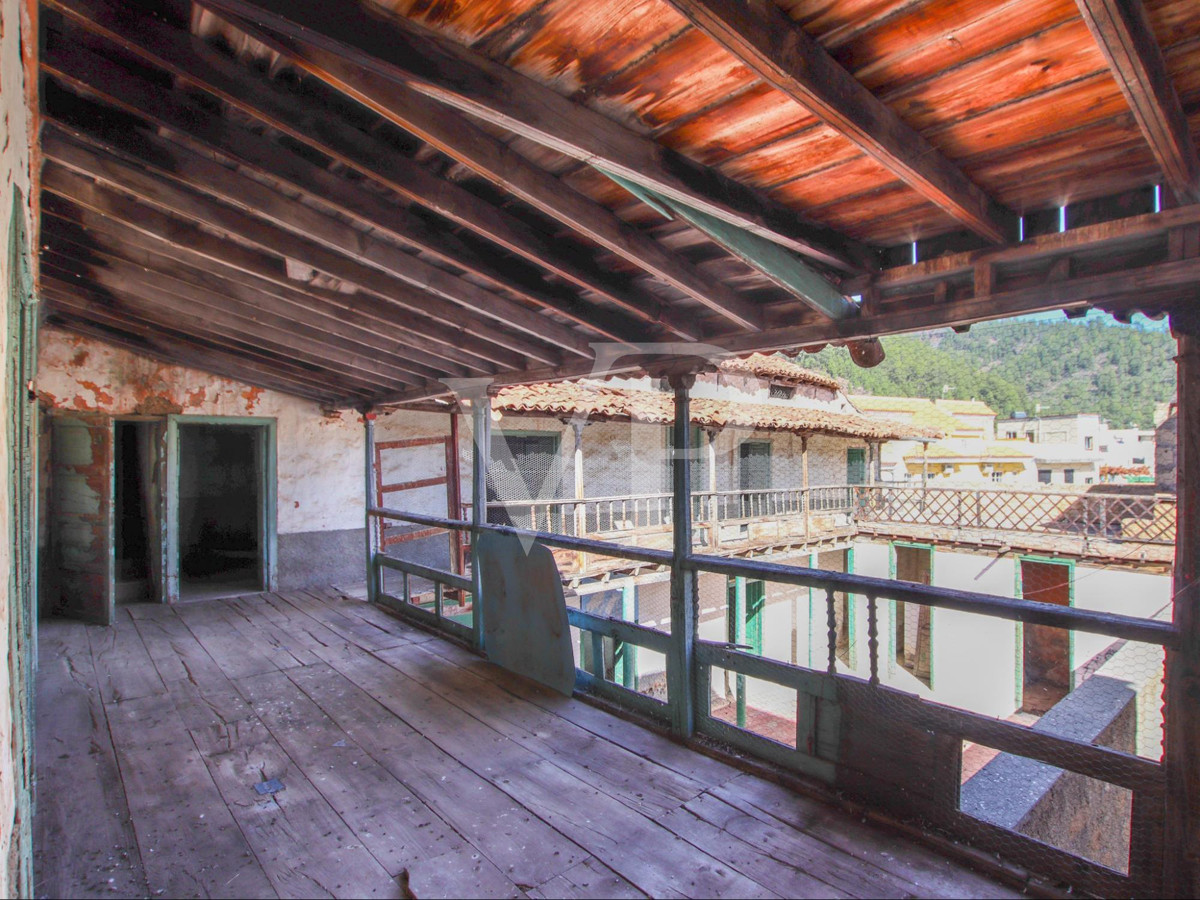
267	456
778	263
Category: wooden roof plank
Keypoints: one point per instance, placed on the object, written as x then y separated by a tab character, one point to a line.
457	137
1123	32
399	49
782	53
67	151
189	58
115	85
95	207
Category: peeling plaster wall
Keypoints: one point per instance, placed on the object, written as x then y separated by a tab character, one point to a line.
319	455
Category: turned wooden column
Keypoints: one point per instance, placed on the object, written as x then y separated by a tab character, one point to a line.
1181	748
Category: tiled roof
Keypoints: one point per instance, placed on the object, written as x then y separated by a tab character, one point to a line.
776	368
596	402
965	407
923	413
985	453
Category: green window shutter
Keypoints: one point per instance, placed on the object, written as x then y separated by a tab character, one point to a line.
856	466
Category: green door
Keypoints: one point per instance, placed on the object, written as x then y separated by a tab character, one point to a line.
856	466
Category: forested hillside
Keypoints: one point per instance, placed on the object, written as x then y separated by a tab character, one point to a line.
1065	366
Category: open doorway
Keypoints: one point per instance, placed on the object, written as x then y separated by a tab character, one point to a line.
223	508
137	541
1045	651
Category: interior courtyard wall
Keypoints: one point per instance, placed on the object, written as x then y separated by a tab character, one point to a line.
319	454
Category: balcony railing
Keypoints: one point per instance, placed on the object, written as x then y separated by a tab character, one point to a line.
858	736
1115	517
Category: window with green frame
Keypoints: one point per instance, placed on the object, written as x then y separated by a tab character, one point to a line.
856	466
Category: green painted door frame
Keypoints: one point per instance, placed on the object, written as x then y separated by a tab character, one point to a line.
745	602
1019	592
267	519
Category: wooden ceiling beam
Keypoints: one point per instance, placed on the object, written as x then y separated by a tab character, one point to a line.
152	294
209	178
136	317
311	320
177	349
89	202
396	48
341	315
93	74
459	138
1123	32
190	59
512	351
770	43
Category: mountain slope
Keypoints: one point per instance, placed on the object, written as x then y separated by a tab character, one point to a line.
1062	367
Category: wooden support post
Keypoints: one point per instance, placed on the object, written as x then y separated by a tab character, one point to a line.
626	668
371	499
1181	723
804	484
872	460
738	619
714	513
481	430
681	662
580	516
454	508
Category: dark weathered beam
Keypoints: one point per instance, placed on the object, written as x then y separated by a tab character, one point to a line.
1147	287
154	295
210	178
309	319
93	74
762	36
1123	32
89	202
190	59
399	49
341	315
459	138
66	151
136	317
73	313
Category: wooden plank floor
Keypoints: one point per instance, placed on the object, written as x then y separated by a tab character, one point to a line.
410	768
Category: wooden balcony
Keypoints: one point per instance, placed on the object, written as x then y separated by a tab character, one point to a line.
309	744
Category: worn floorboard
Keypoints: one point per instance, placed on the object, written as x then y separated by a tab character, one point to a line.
409	767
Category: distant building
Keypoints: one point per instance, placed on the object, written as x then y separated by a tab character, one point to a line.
968	454
1082	449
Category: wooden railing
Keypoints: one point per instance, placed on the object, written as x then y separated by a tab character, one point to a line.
1116	517
859	737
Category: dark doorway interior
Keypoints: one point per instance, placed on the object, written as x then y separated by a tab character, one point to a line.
136	512
220	509
1046	653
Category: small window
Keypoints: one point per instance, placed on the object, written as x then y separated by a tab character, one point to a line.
997	476
1029	436
1044	476
1069	476
1088	481
1011	435
782	392
1104	448
1139	460
1088	442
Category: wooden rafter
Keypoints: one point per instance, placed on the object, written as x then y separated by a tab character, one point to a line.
763	37
116	86
73	197
398	49
457	137
75	154
325	321
1123	32
189	58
